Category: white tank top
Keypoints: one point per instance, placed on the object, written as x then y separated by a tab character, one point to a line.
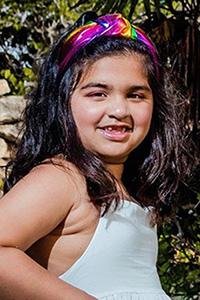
120	261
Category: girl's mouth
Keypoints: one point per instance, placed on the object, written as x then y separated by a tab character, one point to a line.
116	133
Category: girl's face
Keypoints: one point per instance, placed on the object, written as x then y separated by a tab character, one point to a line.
112	106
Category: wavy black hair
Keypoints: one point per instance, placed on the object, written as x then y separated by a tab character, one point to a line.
153	173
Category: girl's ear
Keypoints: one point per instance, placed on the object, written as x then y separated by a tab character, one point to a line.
85	17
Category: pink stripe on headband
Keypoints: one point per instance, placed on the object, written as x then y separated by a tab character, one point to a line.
108	25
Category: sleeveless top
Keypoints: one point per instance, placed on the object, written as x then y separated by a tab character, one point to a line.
120	260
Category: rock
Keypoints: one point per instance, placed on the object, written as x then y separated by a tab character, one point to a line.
11	132
4	153
4	87
11	108
3	164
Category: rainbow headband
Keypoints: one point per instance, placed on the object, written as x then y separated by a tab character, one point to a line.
108	25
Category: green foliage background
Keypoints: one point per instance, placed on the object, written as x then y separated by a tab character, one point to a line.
27	29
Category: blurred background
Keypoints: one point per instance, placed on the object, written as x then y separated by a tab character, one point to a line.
28	28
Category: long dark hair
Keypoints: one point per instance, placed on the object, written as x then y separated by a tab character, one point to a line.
153	173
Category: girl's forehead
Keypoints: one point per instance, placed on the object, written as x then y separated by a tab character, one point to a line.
115	68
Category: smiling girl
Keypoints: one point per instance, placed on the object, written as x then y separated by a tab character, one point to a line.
100	160
112	107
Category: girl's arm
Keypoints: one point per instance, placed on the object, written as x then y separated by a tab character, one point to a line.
21	279
32	209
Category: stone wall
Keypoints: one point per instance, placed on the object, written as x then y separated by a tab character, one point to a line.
11	108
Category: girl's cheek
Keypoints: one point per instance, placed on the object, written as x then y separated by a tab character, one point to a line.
143	116
94	112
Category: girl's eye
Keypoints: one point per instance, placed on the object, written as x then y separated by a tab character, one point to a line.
136	96
97	95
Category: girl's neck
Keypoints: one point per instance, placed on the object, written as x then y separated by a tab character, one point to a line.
116	170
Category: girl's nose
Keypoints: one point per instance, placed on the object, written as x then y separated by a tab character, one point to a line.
118	108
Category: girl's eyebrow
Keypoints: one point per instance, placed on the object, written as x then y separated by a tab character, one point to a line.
134	87
95	84
137	87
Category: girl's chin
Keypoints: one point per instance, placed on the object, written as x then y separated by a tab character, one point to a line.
113	159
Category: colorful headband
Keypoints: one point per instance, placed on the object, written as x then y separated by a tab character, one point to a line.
108	25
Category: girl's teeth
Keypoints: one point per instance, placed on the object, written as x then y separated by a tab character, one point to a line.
120	129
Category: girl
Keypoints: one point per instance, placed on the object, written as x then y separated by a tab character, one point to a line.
101	158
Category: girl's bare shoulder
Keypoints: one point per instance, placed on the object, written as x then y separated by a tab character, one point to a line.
58	166
39	202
